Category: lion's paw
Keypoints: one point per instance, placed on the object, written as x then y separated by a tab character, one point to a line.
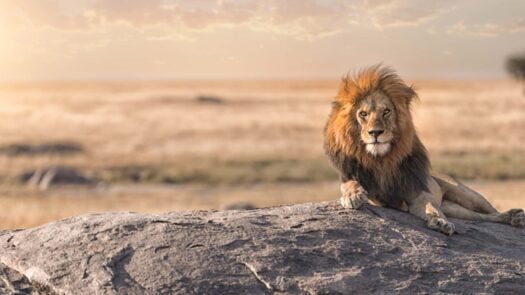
353	196
354	201
515	217
441	224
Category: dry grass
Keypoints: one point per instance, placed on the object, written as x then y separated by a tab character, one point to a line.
264	134
30	208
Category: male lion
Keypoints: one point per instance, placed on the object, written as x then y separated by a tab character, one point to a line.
370	138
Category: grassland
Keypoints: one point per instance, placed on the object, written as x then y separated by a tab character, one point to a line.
155	146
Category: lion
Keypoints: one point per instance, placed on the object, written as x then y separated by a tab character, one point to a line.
371	140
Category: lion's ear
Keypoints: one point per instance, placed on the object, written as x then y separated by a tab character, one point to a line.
401	93
395	87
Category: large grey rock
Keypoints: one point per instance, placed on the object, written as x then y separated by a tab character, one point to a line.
302	249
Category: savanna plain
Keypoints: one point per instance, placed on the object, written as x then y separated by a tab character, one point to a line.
68	148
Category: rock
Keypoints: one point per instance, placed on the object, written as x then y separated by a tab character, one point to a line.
302	249
13	281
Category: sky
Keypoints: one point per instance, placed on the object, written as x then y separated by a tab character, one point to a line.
253	39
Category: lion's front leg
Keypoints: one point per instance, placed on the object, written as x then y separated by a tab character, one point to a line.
426	208
353	195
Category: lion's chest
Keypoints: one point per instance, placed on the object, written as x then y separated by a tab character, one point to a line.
386	193
392	189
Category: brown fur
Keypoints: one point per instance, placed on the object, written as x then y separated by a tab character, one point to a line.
399	176
342	139
340	126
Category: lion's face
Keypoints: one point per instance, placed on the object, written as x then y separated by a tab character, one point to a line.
376	116
370	120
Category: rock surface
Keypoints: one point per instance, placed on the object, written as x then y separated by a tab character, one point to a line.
302	249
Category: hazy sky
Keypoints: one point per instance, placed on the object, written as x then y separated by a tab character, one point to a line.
209	39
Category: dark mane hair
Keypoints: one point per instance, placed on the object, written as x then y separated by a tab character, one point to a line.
399	175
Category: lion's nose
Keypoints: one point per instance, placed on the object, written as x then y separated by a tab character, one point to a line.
376	132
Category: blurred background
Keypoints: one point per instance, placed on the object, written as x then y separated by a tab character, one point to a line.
162	105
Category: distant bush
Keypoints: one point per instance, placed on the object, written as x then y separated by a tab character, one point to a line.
515	66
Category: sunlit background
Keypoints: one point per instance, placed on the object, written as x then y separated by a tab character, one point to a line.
172	105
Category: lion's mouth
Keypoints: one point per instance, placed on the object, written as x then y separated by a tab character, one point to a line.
378	142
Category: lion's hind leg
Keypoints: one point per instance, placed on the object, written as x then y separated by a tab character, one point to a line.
460	194
514	217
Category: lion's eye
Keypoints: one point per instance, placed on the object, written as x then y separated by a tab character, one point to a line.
362	114
386	112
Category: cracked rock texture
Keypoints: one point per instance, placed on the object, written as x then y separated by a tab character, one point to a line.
302	249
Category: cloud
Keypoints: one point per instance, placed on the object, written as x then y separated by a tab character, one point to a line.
396	13
44	13
305	19
488	29
300	19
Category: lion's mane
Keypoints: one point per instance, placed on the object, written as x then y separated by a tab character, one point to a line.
400	174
